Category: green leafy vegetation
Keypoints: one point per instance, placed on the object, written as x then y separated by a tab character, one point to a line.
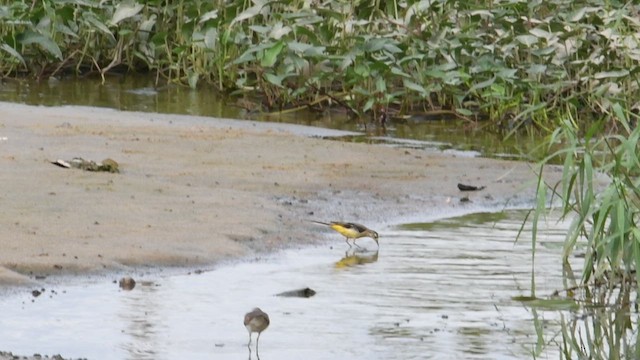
600	193
515	62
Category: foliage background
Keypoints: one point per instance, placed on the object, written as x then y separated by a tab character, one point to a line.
517	62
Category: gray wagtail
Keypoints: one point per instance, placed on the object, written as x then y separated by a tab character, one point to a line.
256	320
351	231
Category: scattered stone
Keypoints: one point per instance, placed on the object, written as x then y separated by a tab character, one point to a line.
463	187
127	283
303	293
36	293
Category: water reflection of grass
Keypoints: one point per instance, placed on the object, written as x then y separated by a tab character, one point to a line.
461	221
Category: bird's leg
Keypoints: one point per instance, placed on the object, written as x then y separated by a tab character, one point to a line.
257	343
249	343
358	246
346	239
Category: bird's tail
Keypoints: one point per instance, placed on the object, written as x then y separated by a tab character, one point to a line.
319	222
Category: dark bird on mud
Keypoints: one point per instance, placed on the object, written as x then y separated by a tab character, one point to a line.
351	231
256	321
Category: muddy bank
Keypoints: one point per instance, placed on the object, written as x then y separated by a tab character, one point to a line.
193	191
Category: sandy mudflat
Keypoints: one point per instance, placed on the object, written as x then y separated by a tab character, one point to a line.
194	191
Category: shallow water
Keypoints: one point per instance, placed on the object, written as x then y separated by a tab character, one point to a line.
439	290
139	93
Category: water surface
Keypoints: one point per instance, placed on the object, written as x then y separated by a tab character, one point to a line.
438	290
140	93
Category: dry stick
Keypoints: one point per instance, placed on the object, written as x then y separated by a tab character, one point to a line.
583	286
117	59
340	102
64	62
298	108
448	112
325	96
95	63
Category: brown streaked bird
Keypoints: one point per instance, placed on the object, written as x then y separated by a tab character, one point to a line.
351	231
256	320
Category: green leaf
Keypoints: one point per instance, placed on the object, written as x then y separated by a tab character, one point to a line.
541	33
375	44
576	15
146	27
271	54
125	10
210	15
275	79
13	53
262	30
545	51
246	57
368	105
298	47
392	48
210	38
362	70
248	14
554	304
536	69
507	73
398	71
381	85
611	74
483	84
465	112
91	19
527	40
415	87
45	42
617	109
193	80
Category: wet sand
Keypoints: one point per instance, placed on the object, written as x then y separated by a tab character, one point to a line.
194	191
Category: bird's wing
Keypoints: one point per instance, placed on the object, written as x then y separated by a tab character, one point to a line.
358	227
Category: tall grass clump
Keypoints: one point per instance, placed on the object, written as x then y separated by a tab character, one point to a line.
600	194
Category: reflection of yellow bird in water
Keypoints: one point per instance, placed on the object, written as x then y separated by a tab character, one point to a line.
353	259
351	231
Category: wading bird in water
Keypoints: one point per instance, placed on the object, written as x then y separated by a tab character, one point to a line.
256	320
351	231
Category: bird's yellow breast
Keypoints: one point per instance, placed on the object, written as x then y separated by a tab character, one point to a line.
348	232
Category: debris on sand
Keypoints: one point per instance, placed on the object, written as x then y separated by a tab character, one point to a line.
107	165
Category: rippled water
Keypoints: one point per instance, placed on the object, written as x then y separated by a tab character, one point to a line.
439	290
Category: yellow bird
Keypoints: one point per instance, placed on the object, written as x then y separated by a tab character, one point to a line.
351	231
